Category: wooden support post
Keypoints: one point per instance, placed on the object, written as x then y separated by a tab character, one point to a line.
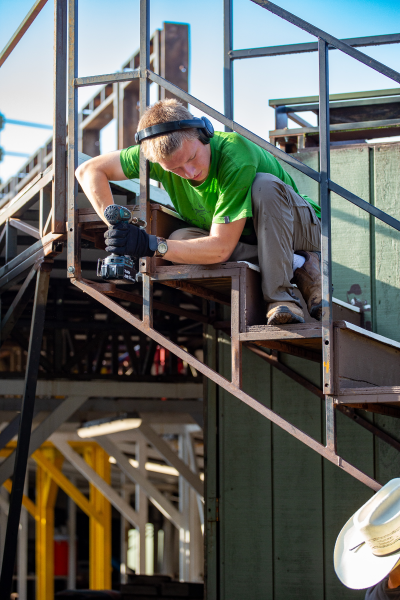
100	535
46	495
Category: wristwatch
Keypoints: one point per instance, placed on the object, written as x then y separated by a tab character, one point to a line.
162	247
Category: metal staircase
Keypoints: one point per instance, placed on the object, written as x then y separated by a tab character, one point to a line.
359	367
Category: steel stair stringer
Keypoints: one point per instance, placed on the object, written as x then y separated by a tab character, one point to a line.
324	451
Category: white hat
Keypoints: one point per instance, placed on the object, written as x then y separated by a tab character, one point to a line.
368	547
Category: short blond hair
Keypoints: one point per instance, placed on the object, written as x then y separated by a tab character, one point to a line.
163	146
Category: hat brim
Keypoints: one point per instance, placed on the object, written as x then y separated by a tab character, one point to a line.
359	568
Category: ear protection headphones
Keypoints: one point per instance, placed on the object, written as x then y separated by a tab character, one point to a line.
203	125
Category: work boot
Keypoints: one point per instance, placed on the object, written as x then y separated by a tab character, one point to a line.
284	313
308	280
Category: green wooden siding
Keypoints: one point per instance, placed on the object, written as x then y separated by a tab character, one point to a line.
280	505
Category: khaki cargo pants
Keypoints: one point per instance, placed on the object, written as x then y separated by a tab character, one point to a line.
284	222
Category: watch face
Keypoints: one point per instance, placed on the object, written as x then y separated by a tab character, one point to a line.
162	247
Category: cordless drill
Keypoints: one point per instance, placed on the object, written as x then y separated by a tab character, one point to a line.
115	268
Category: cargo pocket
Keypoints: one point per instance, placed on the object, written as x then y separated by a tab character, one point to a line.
300	202
306	225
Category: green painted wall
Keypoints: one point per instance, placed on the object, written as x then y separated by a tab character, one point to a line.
364	250
274	507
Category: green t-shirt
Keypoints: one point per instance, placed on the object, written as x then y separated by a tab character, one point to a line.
225	195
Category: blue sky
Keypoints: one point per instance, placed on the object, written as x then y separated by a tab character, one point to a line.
109	34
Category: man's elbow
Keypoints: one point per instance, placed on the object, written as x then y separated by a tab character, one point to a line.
80	172
225	254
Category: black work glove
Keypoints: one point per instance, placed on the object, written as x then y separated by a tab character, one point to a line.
128	240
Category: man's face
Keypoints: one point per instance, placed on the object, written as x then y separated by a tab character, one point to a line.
191	161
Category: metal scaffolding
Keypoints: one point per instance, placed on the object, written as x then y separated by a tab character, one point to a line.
233	284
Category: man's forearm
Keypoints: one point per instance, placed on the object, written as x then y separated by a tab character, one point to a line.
199	251
97	189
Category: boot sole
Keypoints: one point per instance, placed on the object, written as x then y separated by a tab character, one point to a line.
284	316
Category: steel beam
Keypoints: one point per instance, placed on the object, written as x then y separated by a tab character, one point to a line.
18	305
44	431
60	108
26	502
134	474
373	40
60	441
72	492
193	464
73	250
144	91
229	387
325	198
7	434
104	79
24	434
22	29
172	458
228	66
103	389
26	198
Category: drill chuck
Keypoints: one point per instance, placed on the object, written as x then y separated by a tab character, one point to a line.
117	214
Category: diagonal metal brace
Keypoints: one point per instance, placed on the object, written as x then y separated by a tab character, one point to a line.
228	386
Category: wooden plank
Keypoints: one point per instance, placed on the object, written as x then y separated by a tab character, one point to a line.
387	241
246	489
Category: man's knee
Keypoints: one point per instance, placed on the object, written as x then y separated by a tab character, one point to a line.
266	188
178	234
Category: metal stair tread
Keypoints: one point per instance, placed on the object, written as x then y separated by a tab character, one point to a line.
369	334
272	332
372	390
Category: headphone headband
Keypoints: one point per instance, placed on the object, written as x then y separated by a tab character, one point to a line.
203	125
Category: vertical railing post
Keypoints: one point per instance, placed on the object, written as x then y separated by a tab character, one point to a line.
326	254
144	87
59	126
228	66
144	101
73	250
326	245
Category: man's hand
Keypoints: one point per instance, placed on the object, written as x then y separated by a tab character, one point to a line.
126	239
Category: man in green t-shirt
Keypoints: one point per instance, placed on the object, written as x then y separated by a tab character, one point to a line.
238	201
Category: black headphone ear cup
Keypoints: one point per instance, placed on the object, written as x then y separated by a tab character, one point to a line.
208	127
203	137
206	132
